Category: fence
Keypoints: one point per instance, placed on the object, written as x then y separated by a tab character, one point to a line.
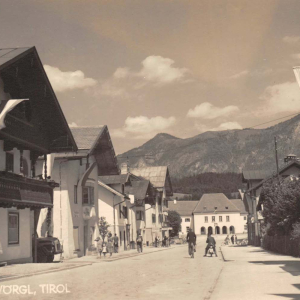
282	244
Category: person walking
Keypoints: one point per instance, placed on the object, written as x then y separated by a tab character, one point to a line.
116	243
110	245
156	241
235	239
99	246
210	242
232	239
104	249
191	239
139	243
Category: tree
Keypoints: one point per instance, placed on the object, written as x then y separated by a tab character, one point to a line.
103	227
174	221
281	206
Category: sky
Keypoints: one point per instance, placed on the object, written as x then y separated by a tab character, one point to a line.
180	67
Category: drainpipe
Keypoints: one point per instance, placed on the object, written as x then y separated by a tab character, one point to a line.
114	215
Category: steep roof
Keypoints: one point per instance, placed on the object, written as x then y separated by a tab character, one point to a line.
86	136
157	175
210	203
184	208
138	188
255	174
95	140
281	170
49	120
114	179
239	204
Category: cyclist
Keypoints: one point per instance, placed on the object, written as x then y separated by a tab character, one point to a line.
191	239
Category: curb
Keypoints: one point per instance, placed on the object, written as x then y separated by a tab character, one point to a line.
42	272
224	259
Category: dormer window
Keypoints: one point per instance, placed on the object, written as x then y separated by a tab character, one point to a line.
226	207
216	207
204	208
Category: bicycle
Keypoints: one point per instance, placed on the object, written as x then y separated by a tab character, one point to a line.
191	250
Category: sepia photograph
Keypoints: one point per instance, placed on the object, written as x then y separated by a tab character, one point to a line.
149	149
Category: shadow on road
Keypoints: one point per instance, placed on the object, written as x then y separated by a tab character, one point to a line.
290	266
290	296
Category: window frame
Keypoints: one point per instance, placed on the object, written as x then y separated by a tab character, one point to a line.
90	195
15	213
220	218
213	219
206	219
227	218
187	220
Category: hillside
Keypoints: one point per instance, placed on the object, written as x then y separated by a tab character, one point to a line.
225	151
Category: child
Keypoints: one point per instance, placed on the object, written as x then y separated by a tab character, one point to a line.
104	249
99	246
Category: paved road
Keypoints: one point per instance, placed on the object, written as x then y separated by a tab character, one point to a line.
169	274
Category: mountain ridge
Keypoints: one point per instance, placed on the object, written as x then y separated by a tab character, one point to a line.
218	151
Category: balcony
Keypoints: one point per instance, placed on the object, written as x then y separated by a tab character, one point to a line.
22	192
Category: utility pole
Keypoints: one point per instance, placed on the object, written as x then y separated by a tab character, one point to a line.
276	156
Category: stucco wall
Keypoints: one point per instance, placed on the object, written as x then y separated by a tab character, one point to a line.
235	220
21	252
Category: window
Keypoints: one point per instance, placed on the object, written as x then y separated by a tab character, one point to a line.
187	220
125	212
9	164
76	237
206	219
140	215
220	219
226	207
204	208
13	228
153	218
227	219
213	219
88	195
187	229
245	218
75	194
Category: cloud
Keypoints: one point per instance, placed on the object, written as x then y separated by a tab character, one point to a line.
291	39
142	127
63	81
221	127
207	111
121	73
73	124
159	69
239	75
284	97
295	56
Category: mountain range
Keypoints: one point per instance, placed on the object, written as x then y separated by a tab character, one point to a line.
218	151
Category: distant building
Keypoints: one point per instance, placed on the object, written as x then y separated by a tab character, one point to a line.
181	196
217	214
185	209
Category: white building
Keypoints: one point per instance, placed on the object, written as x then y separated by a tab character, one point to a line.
75	213
217	214
28	129
185	210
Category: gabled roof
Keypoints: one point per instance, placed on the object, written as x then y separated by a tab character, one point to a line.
184	208
239	204
158	176
112	190
49	120
87	136
255	174
283	169
95	140
115	179
210	203
138	188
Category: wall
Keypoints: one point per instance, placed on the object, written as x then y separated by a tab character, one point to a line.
235	220
21	252
185	224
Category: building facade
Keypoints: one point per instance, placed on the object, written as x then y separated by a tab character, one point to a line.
31	125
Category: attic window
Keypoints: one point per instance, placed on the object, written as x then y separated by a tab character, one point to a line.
226	207
216	207
204	207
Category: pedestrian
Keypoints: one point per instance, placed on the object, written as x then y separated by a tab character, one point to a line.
232	239
104	249
210	242
99	246
191	239
110	245
116	243
156	241
139	243
165	241
235	239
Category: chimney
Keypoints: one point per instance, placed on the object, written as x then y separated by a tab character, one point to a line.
124	168
290	157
